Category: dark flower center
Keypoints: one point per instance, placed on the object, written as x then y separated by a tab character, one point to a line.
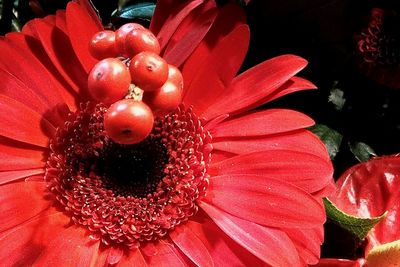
128	194
380	42
133	169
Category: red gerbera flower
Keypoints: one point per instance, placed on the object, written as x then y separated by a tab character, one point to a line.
214	184
368	190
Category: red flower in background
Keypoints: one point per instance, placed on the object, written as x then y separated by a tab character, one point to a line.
215	183
368	190
379	47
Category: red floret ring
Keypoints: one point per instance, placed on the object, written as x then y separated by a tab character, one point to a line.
133	80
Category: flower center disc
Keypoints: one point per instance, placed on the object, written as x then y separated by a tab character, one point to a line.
380	42
128	194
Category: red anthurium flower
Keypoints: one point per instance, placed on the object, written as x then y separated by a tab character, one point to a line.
368	190
215	183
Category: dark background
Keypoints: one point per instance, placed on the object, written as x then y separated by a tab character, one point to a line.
324	33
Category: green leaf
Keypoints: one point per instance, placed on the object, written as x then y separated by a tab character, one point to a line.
15	24
336	97
331	138
361	151
143	10
355	225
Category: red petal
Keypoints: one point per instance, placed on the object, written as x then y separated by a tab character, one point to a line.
272	246
15	89
23	244
224	251
173	21
61	20
164	12
218	156
209	125
301	141
265	122
58	48
21	123
35	178
9	176
87	6
327	191
166	256
369	189
101	257
307	242
229	17
29	71
189	34
295	84
28	30
307	171
70	247
80	35
219	70
183	44
265	201
51	19
191	246
133	258
18	156
256	84
114	255
20	202
31	45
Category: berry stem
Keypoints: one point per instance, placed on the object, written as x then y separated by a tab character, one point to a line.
125	60
134	93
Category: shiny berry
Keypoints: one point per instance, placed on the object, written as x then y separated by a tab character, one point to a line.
165	99
121	33
102	45
128	121
169	95
148	71
175	76
141	40
109	81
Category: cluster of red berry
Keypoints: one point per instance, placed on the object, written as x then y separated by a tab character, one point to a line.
134	80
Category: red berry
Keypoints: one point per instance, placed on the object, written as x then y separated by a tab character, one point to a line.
102	45
175	76
109	81
128	121
169	95
121	33
165	99
141	40
148	71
